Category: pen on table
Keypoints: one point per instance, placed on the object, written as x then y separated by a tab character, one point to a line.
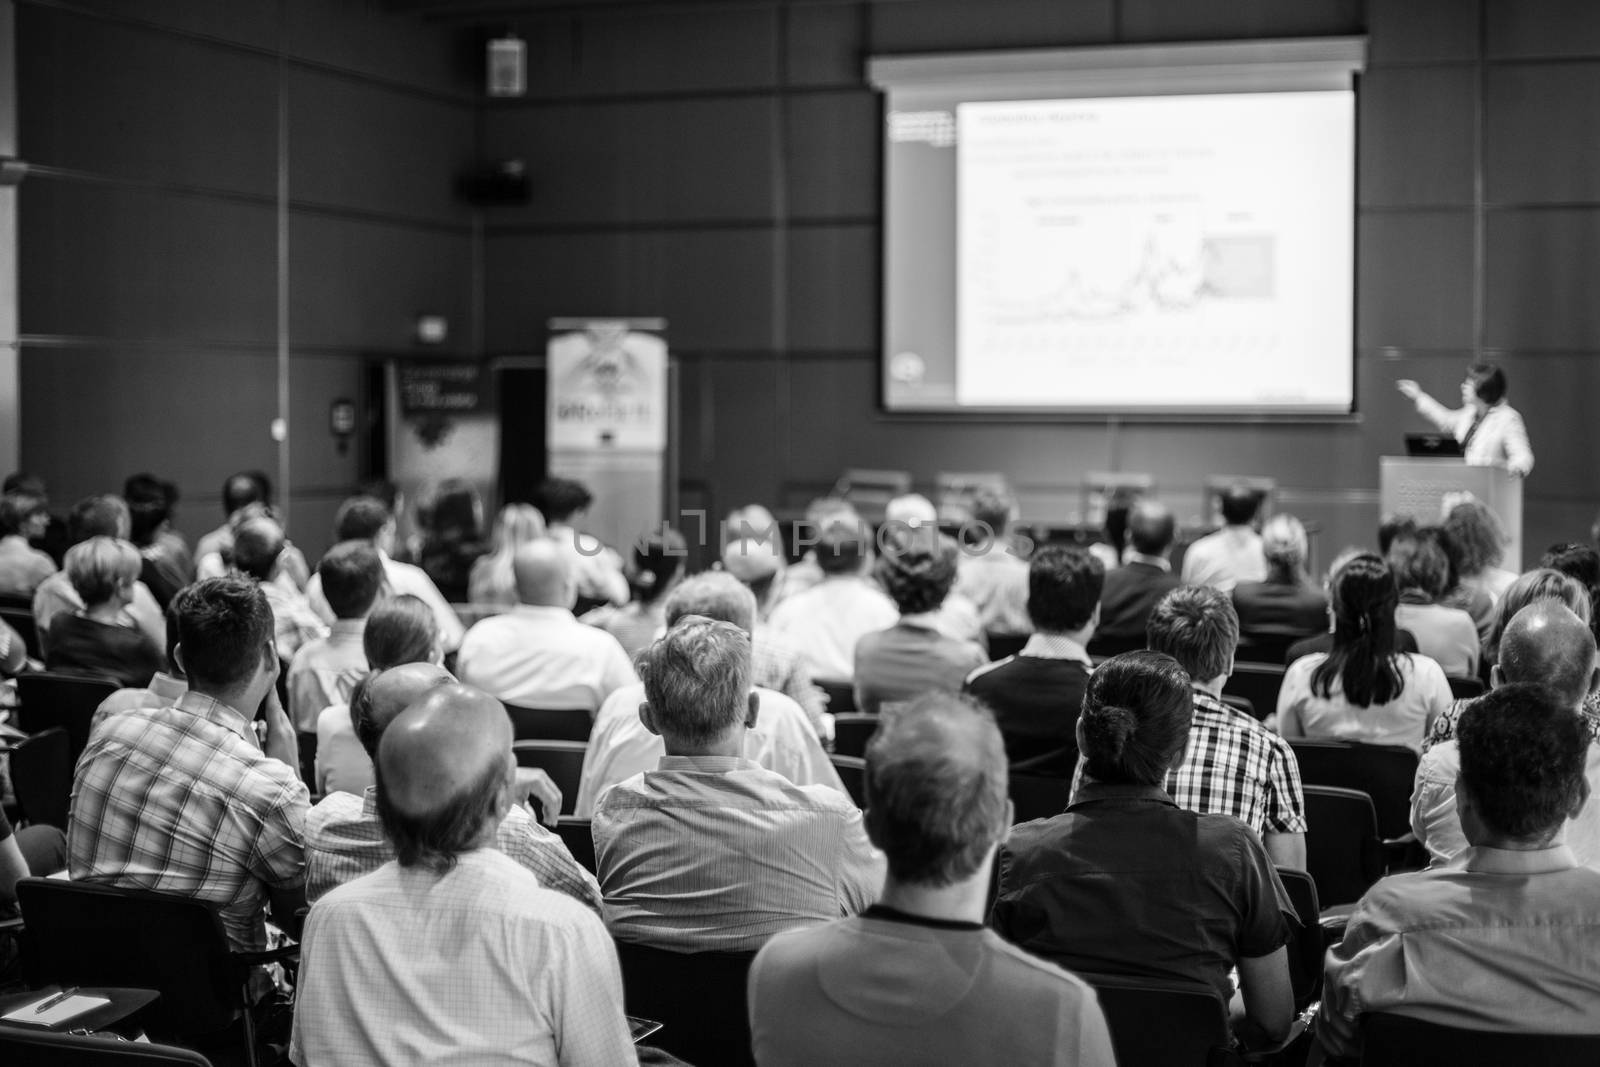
53	1001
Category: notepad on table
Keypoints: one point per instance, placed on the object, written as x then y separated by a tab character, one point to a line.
74	1006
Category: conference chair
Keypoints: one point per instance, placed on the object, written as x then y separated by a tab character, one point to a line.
49	698
28	1047
20	619
1344	854
1161	1022
1258	683
578	835
698	997
1386	773
1243	704
550	724
85	934
1308	945
841	695
853	772
561	760
41	776
1465	688
852	732
1389	1040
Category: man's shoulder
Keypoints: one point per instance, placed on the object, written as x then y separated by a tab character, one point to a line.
336	809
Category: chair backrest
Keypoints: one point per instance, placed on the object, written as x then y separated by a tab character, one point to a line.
561	760
41	775
852	732
1386	773
578	835
1464	688
1398	1041
1157	1022
853	773
1003	645
1265	648
1307	945
20	619
1344	854
21	1047
841	695
549	724
69	701
1038	796
699	997
83	934
1258	683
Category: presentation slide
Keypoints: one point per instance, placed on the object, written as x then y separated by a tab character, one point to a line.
1179	253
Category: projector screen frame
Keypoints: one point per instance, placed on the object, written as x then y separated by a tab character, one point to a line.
1189	68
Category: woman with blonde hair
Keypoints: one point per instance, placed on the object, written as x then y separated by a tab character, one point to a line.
98	639
491	581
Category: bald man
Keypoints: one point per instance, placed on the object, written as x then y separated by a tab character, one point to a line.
1132	590
258	545
917	978
1545	644
344	834
537	655
452	951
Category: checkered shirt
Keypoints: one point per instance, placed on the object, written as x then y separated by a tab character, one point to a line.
776	664
181	799
1235	766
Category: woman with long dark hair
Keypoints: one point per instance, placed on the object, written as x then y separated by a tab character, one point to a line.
452	538
1365	689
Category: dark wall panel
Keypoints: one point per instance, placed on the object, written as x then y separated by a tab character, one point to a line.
1524	28
833	288
946	25
1541	271
1412	31
1414	279
251	25
833	154
1176	20
825	44
1416	141
1544	133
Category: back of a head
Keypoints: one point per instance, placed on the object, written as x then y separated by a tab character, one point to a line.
224	629
754	562
352	578
386	692
657	558
1546	644
401	629
755	522
993	507
714	595
1151	528
23	482
1240	504
824	510
17	509
1522	755
1064	587
150	503
1530	588
936	789
101	566
1575	561
443	773
1478	534
697	680
1283	543
454	514
919	573
257	543
911	509
98	516
1366	643
361	518
1419	565
561	498
515	526
246	487
543	575
1391	527
843	547
1136	717
1197	626
1488	382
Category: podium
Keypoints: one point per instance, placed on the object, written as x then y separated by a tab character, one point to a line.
1415	486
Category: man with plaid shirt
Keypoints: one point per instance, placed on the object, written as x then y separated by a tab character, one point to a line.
1234	765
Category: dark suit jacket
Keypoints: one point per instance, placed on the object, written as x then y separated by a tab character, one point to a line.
1129	596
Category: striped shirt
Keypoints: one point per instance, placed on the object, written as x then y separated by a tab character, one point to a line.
1235	766
344	840
778	665
182	800
718	853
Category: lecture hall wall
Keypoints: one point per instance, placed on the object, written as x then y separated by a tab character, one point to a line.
719	165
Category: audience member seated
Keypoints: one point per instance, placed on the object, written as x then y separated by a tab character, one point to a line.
23	518
821	514
258	545
452	537
775	663
492	581
1366	689
1580	563
323	672
166	687
213	553
912	656
712	851
1233	554
344	835
1472	599
33	851
366	518
916	978
100	639
1132	590
995	579
1323	642
537	655
753	523
1448	636
1275	613
167	564
596	568
825	621
400	630
452	951
1548	645
1233	764
654	568
1125	882
1476	530
782	739
95	516
1035	695
183	799
1503	938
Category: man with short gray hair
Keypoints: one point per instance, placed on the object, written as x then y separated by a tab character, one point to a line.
712	851
918	978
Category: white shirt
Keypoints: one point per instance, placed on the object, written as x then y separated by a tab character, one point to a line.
1448	636
1501	440
402	578
1226	558
620	746
542	657
596	568
825	622
1402	721
479	966
343	766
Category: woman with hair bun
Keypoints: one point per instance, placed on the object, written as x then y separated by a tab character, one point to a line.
1126	883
